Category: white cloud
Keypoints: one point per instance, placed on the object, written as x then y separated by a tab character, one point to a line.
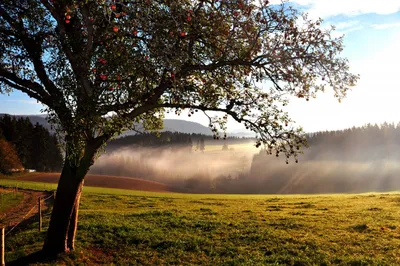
385	26
24	101
348	30
347	24
342	28
329	8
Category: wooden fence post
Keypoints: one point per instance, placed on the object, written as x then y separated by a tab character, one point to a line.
2	234
40	214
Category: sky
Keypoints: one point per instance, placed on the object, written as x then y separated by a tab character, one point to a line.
372	45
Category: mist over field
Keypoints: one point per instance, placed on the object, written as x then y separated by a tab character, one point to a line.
194	170
354	160
249	171
323	176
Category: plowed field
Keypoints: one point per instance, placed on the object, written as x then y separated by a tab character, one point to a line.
106	181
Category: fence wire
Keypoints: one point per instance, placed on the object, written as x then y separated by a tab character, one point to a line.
26	215
23	218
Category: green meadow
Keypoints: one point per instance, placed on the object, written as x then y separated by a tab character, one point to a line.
122	227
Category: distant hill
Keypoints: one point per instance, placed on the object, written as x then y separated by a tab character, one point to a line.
184	126
173	125
176	125
41	119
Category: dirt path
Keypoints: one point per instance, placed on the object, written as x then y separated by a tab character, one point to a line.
24	211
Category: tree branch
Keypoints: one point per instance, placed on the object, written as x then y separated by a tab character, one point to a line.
30	93
149	99
89	26
78	69
24	83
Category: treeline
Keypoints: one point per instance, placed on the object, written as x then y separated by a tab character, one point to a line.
35	146
168	139
370	142
152	140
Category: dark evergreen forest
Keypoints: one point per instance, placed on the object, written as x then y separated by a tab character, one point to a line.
370	142
169	139
36	147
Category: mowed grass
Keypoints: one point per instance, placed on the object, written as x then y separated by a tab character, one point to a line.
143	228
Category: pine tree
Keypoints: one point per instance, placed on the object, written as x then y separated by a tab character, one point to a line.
54	155
190	144
202	146
23	140
225	146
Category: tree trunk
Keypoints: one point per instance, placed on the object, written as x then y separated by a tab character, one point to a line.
64	217
73	224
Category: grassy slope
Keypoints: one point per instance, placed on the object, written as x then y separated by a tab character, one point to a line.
143	228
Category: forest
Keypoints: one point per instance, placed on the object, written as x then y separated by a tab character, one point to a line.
27	146
193	141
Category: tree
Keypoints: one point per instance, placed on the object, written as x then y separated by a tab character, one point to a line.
55	159
24	140
202	146
9	160
101	66
198	145
225	146
190	144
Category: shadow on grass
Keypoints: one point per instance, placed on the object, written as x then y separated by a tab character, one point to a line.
26	223
37	257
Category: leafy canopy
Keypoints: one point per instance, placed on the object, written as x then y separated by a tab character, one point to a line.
100	66
9	158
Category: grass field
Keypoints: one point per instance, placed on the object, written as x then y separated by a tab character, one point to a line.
8	200
121	227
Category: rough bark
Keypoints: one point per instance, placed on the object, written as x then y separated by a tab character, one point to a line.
67	200
64	217
73	225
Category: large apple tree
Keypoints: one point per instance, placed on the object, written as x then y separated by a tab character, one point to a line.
101	66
